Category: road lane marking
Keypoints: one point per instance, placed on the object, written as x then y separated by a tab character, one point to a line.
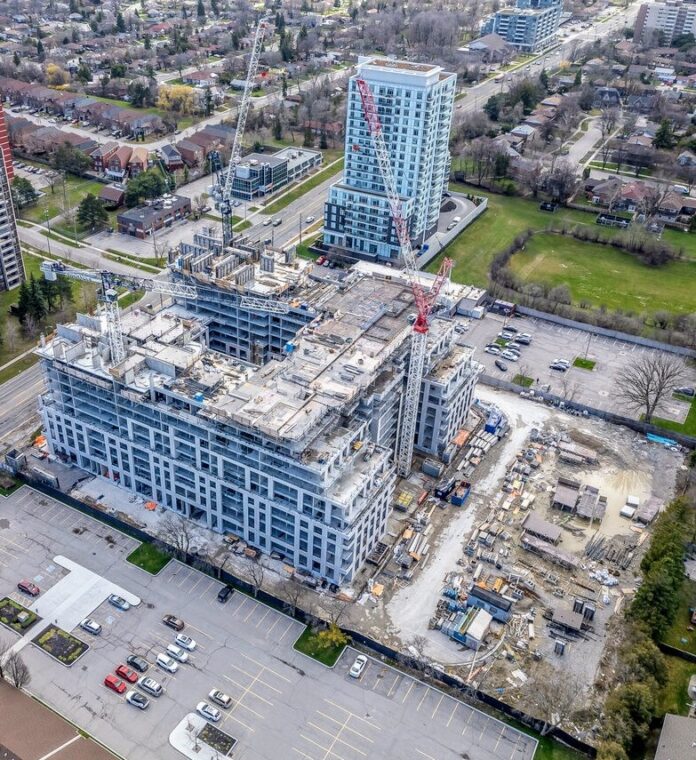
423	754
304	754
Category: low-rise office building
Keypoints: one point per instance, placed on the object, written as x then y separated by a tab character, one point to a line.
163	212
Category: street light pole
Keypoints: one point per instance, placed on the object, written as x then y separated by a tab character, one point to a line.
300	228
48	226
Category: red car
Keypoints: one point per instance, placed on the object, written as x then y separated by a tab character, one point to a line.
27	587
126	673
116	684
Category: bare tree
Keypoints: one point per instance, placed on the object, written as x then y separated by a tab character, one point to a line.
418	644
562	181
645	383
555	695
608	121
334	609
17	671
256	575
652	199
176	531
4	647
292	593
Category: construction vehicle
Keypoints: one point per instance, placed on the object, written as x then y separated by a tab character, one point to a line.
425	300
223	190
109	282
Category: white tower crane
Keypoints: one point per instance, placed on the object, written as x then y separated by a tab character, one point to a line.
425	300
109	281
224	190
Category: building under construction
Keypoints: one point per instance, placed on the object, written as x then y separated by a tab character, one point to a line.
268	405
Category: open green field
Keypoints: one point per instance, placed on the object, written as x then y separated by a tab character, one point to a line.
52	202
674	698
681	633
688	427
605	276
506	217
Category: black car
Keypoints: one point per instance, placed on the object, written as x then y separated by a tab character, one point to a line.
137	663
224	594
686	391
501	365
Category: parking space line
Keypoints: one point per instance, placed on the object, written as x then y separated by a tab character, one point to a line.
348	728
425	694
323	749
193	588
263	618
424	754
304	754
409	691
391	689
265	667
241	722
185	578
239	606
258	696
456	705
251	612
203	633
282	635
206	589
364	720
437	706
335	738
275	623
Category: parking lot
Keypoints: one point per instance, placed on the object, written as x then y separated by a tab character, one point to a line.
283	704
550	342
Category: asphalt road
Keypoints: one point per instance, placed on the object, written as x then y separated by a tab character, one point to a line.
19	414
284	705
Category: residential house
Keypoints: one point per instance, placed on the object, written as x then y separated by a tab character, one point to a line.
665	74
674	205
42	141
102	154
643	103
117	167
112	196
191	153
607	97
207	141
138	162
14	90
491	48
86	144
524	133
18	130
142	124
686	158
171	158
200	78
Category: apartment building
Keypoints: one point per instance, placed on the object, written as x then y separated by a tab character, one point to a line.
530	26
11	266
415	103
294	456
661	23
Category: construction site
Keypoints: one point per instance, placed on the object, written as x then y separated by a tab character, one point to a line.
514	559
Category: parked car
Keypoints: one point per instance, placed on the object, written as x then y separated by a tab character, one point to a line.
451	226
224	594
128	674
220	698
27	587
91	626
150	686
115	684
139	663
501	365
177	653
492	350
173	622
321	260
357	668
686	391
510	356
509	329
681	189
119	602
186	642
166	663
524	338
514	344
208	711
564	362
266	222
558	367
138	700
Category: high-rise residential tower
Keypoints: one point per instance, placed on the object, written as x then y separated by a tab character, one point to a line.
530	26
11	268
415	103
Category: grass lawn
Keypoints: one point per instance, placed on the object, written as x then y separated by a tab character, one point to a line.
605	276
304	187
130	298
584	363
304	253
522	380
132	261
679	635
149	558
688	427
504	219
674	698
76	188
309	644
7	490
548	749
84	294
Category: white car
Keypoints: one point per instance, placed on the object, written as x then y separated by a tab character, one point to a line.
220	698
91	626
177	653
119	602
138	700
511	356
208	711
357	668
185	642
309	220
564	362
492	350
266	222
166	663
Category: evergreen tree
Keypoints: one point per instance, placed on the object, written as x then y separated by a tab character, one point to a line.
21	308
38	308
147	44
23	192
200	10
120	23
308	141
578	78
323	144
84	73
278	131
16	59
91	213
664	137
544	80
214	7
40	50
